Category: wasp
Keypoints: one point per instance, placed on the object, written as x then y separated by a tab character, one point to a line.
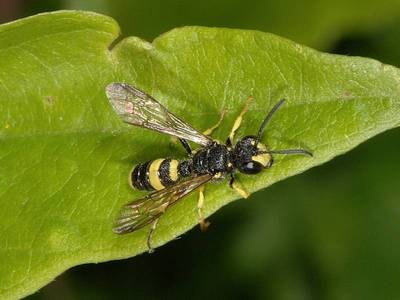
170	179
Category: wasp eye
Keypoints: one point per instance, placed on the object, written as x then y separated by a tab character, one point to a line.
251	167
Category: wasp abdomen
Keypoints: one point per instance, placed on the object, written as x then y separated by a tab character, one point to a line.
155	174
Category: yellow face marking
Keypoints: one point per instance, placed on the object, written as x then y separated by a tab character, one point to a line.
173	170
153	174
264	158
261	147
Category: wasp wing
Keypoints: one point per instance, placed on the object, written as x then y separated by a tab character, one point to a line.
145	210
137	108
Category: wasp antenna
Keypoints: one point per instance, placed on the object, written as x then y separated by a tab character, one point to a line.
288	151
267	118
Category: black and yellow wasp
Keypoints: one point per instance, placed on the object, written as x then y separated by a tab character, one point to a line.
173	179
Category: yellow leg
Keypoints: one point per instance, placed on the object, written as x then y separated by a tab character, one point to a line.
240	190
234	184
150	235
239	119
209	131
203	223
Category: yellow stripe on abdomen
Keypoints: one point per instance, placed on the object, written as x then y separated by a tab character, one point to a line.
153	174
173	169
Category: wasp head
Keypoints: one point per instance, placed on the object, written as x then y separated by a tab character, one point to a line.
250	157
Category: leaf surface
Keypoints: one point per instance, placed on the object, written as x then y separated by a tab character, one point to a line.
65	155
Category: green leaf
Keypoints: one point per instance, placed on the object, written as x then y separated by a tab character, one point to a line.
65	155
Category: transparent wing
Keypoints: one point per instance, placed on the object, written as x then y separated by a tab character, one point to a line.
137	108
143	211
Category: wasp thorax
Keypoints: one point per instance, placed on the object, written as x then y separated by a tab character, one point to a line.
249	157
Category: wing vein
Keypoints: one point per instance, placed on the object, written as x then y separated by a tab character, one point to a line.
137	108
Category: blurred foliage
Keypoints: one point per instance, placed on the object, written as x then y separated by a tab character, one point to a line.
331	233
316	23
382	44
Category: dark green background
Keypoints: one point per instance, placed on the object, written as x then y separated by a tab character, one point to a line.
331	233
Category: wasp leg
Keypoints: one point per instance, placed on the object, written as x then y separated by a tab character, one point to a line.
234	184
210	130
238	121
150	235
203	223
186	145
